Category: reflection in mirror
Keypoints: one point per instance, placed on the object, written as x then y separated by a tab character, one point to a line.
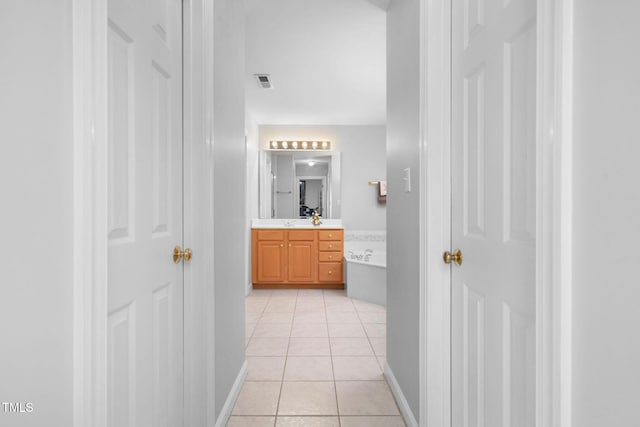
295	184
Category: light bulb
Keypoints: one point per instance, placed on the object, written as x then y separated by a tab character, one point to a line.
325	145
285	144
304	144
294	144
274	144
314	144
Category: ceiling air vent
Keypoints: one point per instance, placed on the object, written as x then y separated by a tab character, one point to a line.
263	81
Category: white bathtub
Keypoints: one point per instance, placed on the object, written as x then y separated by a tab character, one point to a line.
366	269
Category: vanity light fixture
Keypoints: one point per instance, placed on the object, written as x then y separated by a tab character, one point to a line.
300	145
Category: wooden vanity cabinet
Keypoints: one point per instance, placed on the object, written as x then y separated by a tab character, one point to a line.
303	258
270	266
331	244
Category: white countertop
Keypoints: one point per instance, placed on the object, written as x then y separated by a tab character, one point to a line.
295	223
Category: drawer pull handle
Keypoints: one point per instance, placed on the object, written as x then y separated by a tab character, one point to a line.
330	271
282	245
330	246
330	257
330	235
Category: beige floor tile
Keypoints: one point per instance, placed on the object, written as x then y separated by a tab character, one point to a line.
363	306
308	368
342	317
351	347
307	422
308	398
252	317
335	293
257	398
310	294
379	346
260	293
373	316
362	368
304	306
241	421
280	293
379	421
248	329
375	330
340	305
309	330
310	317
255	306
267	347
272	330
265	368
348	330
308	347
280	305
277	318
365	398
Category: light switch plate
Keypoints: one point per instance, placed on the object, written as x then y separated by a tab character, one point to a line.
407	180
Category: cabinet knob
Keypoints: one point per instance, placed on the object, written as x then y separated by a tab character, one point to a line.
282	245
289	244
330	271
330	246
330	235
330	257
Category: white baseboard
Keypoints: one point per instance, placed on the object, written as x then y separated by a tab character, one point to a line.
405	410
223	418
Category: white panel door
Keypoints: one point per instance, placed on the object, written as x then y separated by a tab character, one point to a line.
145	287
493	212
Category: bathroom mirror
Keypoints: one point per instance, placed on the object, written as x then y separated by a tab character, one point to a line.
295	184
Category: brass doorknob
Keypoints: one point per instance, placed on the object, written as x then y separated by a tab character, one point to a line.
179	254
456	257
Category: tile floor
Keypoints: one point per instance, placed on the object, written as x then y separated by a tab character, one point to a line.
314	358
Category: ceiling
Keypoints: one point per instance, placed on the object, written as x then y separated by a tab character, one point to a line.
326	60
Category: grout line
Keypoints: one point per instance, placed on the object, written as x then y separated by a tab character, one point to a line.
333	371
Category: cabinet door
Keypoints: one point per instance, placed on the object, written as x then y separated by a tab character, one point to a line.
271	261
302	261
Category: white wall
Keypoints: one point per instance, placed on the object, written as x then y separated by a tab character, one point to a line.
403	89
36	172
606	350
229	194
363	159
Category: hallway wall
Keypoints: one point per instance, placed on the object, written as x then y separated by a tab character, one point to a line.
403	89
229	191
36	219
606	230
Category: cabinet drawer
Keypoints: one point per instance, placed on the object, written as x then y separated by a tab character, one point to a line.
331	246
330	235
301	235
330	256
330	272
270	235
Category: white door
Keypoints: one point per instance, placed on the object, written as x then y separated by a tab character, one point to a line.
493	212
145	287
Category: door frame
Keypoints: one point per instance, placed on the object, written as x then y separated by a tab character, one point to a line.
323	179
553	213
89	20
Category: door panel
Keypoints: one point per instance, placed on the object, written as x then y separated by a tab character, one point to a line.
493	212
302	261
145	287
